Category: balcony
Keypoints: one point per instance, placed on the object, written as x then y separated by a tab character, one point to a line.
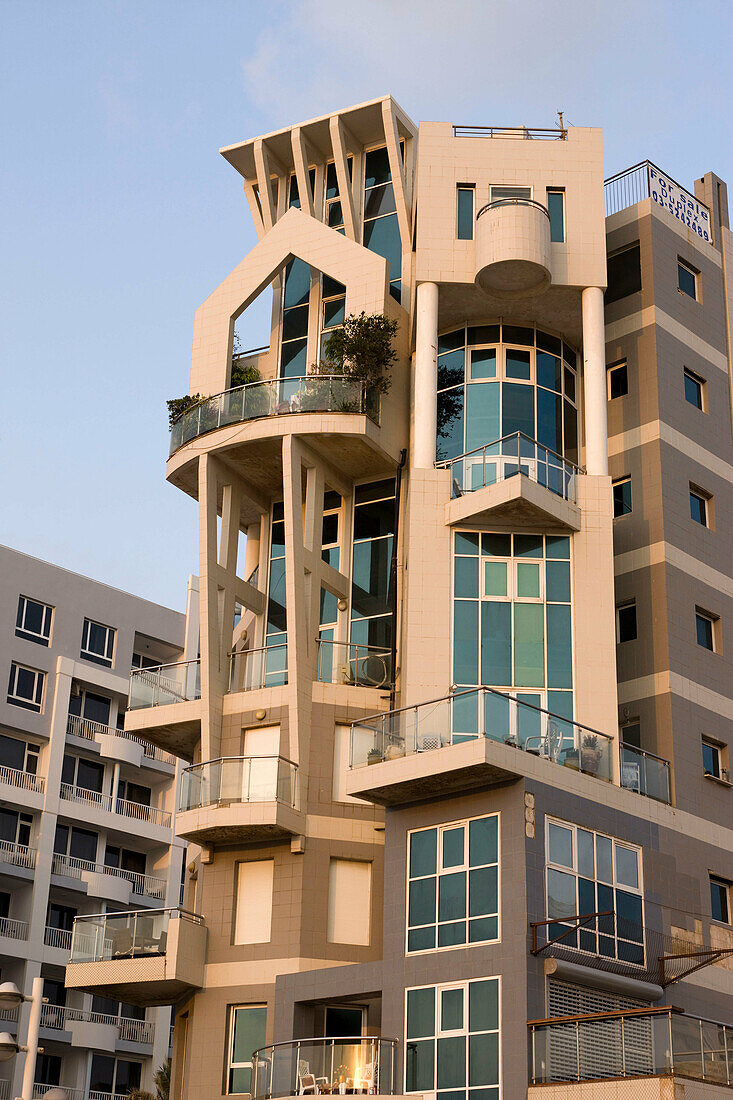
363	1064
40	1090
638	1043
275	397
17	855
136	811
165	701
102	881
64	1018
13	929
512	248
114	740
145	957
239	798
254	669
354	665
513	479
645	773
486	734
57	938
24	781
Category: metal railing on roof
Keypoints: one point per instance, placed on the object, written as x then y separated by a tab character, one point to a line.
527	133
645	180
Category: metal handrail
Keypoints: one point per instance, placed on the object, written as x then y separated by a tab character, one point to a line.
659	1010
445	462
644	752
187	914
513	202
525	132
16	777
327	1039
264	381
650	163
209	783
222	759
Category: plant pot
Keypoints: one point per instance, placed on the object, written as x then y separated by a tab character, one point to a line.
374	756
590	759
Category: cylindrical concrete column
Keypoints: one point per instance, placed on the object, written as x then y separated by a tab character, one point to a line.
426	376
594	376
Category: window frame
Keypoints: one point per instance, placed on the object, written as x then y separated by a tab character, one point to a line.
700	383
230	1063
725	886
561	192
706	501
625	605
87	654
469	189
701	615
39	688
686	267
718	749
625	480
527	191
22	631
621	365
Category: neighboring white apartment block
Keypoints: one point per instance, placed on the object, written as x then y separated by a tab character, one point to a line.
86	814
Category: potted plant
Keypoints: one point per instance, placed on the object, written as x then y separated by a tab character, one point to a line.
374	756
590	753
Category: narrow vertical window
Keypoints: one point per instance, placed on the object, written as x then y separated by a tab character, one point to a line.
556	210
464	212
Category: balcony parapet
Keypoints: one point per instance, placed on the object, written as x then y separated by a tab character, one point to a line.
254	669
59	1017
512	241
81	869
165	685
136	811
239	798
645	773
361	1064
93	731
511	456
14	777
18	855
353	664
13	929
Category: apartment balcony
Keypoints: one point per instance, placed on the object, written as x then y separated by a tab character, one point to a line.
95	1030
255	669
118	744
145	957
467	740
17	859
642	1043
96	808
354	665
239	799
513	480
12	930
111	883
40	1090
165	702
512	248
645	773
365	1064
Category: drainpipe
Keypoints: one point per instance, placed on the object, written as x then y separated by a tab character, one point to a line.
393	576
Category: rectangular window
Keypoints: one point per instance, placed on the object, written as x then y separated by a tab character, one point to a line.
624	273
621	497
33	620
464	211
556	210
452	1040
712	759
694	389
371	573
97	643
18	755
626	621
501	192
618	381
687	278
588	872
707	628
25	687
453	885
253	910
381	233
700	506
16	828
247	1025
349	901
720	899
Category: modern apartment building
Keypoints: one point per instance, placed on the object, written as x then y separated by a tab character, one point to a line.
458	794
86	815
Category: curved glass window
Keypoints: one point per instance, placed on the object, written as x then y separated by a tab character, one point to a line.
496	380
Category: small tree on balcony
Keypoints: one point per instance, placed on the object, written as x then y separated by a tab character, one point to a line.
362	350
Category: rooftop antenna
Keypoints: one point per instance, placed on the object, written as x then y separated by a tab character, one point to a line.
559	115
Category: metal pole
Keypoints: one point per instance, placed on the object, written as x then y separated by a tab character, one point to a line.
34	1023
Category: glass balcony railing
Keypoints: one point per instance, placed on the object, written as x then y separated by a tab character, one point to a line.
239	779
350	663
638	1043
252	669
139	934
504	458
645	773
165	684
481	712
275	397
364	1064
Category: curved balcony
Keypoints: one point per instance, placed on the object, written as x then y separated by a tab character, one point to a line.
239	798
165	703
274	397
513	248
364	1064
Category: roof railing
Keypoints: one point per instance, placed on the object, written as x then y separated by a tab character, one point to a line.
525	133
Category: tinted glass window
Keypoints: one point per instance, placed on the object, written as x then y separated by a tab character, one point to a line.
624	273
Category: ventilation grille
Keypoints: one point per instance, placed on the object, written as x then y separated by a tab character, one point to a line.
599	1049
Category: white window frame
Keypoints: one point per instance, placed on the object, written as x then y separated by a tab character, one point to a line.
622	363
471	189
22	631
39	688
706	498
231	1064
718	748
714	621
695	275
701	384
107	661
726	884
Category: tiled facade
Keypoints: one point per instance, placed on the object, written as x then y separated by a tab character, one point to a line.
439	695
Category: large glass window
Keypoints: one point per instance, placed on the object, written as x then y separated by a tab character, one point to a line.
114	1075
624	273
381	226
453	884
16	828
512	620
371	576
277	618
494	381
333	209
33	620
452	1040
246	1034
25	687
590	873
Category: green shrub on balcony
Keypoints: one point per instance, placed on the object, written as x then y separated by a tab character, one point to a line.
361	350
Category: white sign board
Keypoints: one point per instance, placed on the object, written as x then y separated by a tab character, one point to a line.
680	203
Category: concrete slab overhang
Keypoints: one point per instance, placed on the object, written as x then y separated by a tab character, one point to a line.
515	502
240	822
173	727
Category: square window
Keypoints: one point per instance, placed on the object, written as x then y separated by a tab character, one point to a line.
618	381
25	687
720	899
621	497
699	501
711	759
97	643
33	620
687	278
706	627
626	622
694	389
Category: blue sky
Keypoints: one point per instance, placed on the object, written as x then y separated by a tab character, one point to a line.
120	217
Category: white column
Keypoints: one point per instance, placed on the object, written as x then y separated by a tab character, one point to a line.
594	374
426	376
34	1021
